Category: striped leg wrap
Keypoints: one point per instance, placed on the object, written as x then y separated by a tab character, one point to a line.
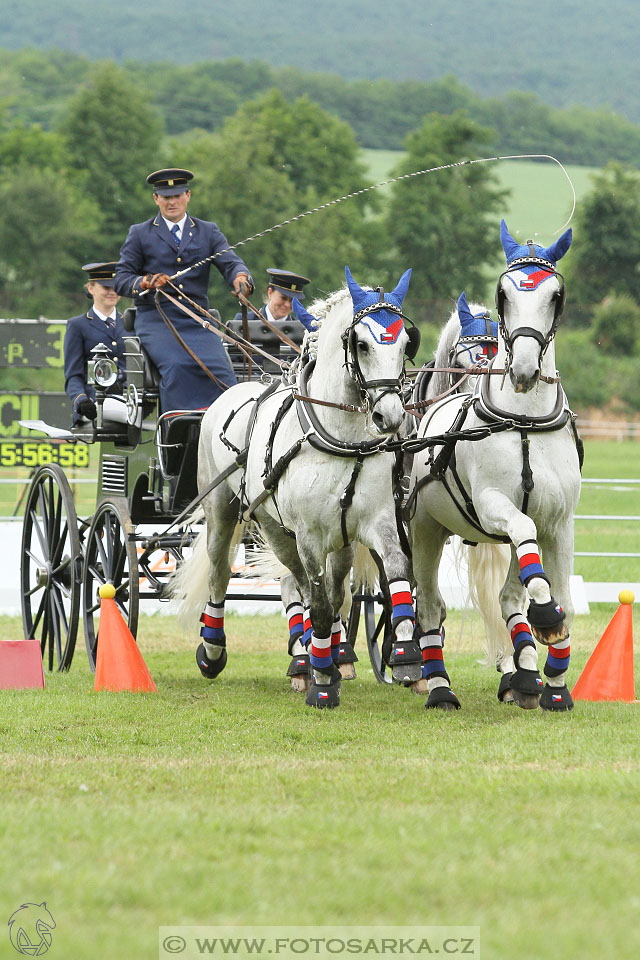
306	628
529	559
212	629
401	602
520	635
336	637
558	657
296	622
320	654
431	644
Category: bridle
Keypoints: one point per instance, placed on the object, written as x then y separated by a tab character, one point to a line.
542	339
372	391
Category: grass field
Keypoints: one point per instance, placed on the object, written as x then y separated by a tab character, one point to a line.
540	200
229	802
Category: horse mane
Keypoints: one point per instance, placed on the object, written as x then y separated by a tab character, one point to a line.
322	309
448	338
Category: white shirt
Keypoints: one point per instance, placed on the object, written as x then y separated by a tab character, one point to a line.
111	316
180	224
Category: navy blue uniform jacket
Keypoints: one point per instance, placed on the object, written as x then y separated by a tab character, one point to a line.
82	334
150	248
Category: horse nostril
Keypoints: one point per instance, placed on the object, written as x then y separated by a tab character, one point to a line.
378	419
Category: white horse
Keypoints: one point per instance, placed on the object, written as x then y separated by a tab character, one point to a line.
317	476
508	471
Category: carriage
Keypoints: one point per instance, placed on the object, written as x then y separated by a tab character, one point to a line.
145	502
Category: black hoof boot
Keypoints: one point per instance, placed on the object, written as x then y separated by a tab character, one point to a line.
505	693
346	653
405	661
556	698
299	666
526	686
324	696
442	698
210	668
547	621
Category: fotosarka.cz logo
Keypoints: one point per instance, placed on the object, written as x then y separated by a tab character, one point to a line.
30	929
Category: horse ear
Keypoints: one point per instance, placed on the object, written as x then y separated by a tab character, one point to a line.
306	319
355	289
403	286
464	314
559	247
509	245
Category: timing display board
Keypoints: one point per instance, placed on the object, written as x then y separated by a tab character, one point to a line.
32	344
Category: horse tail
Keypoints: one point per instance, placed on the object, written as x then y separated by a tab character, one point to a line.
262	561
488	564
365	571
189	585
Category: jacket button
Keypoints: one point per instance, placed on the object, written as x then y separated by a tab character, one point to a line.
179	259
182	286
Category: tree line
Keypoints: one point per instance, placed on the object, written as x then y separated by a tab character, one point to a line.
70	189
37	85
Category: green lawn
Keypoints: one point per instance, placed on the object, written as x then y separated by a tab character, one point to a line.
540	200
230	802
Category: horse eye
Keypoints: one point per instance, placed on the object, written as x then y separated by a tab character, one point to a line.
363	346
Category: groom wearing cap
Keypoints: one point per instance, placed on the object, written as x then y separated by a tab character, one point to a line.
100	324
282	287
152	253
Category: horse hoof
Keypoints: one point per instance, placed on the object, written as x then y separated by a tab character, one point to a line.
556	698
547	622
405	661
300	684
210	668
442	698
505	693
420	686
324	696
299	666
526	687
347	671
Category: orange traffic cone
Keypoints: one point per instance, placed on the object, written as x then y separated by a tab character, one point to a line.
120	665
608	673
20	665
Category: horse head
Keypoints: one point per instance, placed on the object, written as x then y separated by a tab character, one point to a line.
376	344
477	344
530	300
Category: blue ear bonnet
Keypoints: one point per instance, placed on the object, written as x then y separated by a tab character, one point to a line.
384	325
515	251
306	319
475	324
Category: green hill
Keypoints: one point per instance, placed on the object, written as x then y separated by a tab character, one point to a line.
577	52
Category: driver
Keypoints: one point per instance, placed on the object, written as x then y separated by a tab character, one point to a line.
152	253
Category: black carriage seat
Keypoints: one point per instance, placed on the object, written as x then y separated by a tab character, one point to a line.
178	436
265	338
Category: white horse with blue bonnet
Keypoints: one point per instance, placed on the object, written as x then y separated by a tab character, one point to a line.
507	471
317	475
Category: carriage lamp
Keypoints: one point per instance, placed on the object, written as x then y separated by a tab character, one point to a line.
105	370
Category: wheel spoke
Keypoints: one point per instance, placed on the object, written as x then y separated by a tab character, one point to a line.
57	621
41	609
35	525
37	560
30	593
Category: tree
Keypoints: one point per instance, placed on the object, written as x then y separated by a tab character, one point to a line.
113	138
606	251
445	224
49	229
270	162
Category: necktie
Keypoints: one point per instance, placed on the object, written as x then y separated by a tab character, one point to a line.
175	230
111	323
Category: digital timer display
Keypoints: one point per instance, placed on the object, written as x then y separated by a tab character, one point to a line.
31	453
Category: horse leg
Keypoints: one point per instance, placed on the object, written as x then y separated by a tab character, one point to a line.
299	670
339	566
221	514
431	612
292	594
520	676
498	515
558	557
324	691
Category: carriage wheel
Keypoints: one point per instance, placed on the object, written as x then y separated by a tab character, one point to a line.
379	634
110	557
50	567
